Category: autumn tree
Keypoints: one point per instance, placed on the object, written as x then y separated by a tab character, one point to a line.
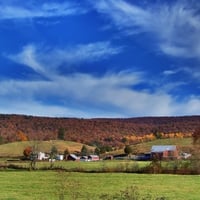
196	152
196	136
27	152
21	136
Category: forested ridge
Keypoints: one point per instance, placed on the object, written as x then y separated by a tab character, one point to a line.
114	132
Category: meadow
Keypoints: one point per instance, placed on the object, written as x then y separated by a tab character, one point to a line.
91	180
53	185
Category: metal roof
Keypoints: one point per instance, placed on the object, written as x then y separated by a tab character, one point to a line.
161	148
73	156
93	156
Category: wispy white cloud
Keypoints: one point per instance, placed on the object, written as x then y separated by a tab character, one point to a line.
192	105
87	52
169	72
29	58
194	72
37	108
83	95
38	58
45	10
112	92
175	25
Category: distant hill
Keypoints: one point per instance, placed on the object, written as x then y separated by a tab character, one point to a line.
91	131
15	149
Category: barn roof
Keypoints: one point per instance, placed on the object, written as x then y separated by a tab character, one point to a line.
93	156
73	156
161	148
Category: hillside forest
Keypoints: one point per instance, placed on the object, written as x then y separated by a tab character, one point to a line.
112	132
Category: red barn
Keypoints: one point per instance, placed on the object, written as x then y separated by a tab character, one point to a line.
164	151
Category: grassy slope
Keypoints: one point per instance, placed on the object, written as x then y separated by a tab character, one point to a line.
179	142
182	143
48	185
16	148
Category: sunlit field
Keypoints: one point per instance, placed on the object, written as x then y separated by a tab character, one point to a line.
49	185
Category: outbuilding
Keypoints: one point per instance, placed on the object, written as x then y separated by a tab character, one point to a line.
164	152
72	157
93	157
42	156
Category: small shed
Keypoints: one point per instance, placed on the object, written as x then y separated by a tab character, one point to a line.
42	156
93	157
59	157
164	152
83	158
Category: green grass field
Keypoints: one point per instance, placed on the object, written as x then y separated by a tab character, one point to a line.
60	185
48	185
78	166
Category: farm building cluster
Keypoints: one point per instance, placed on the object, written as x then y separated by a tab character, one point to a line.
163	152
160	152
71	157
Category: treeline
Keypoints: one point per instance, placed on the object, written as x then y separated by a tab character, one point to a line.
113	132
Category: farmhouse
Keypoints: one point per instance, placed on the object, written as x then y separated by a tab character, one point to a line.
42	156
164	152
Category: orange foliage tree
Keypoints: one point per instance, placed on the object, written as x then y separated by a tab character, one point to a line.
27	151
21	136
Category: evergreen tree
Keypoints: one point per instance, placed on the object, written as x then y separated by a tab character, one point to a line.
128	149
84	150
61	134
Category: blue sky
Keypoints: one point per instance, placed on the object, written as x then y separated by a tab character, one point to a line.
105	58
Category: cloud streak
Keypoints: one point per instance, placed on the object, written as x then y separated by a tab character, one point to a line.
133	59
45	10
38	58
86	95
175	26
112	93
